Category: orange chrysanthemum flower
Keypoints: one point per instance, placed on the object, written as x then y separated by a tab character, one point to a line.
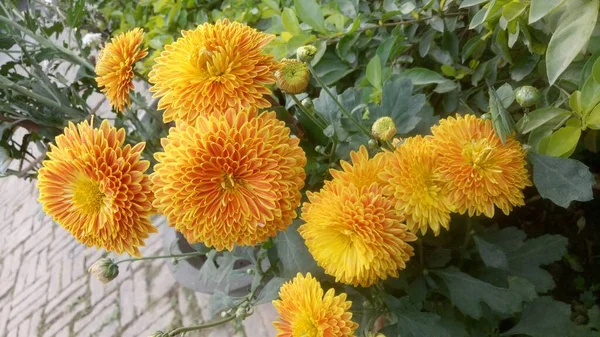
96	188
352	230
304	311
114	70
410	177
229	179
211	69
478	171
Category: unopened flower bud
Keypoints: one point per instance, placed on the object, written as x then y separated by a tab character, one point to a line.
105	270
373	144
306	53
223	314
527	96
384	128
293	77
486	115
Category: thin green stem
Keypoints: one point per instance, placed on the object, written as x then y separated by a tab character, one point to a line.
174	256
306	112
360	126
200	327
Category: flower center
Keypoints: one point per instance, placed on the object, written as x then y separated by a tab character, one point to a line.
229	182
209	61
477	153
87	196
305	327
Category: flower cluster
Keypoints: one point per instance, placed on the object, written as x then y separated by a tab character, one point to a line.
464	167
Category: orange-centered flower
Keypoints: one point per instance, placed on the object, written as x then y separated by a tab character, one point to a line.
306	311
114	70
410	177
97	189
213	68
352	230
229	179
478	171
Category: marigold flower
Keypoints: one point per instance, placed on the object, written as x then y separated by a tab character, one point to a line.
306	311
213	68
293	77
114	70
97	189
411	179
478	171
351	229
229	179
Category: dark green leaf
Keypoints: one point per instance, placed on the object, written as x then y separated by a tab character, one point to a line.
271	290
502	121
294	255
6	42
412	322
570	37
491	254
527	260
562	180
544	317
219	302
309	11
398	102
469	3
468	293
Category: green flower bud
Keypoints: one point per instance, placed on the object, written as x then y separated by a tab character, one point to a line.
527	96
373	144
384	129
105	270
486	115
293	77
306	53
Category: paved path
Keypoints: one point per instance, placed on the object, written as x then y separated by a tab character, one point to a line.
45	290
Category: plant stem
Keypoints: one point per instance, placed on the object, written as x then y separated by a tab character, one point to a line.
360	126
463	250
200	327
160	257
306	112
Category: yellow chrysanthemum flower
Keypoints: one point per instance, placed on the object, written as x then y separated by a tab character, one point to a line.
211	69
306	311
362	172
228	179
351	229
478	171
410	177
114	70
97	189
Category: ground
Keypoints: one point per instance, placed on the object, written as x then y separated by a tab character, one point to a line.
46	291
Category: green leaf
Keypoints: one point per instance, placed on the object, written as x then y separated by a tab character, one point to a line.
422	76
294	255
468	293
595	70
526	261
274	5
563	141
501	120
271	290
512	10
593	118
398	102
502	43
570	37
309	11
219	302
374	72
539	9
491	254
546	116
562	180
411	322
6	42
590	95
544	317
469	3
290	22
575	102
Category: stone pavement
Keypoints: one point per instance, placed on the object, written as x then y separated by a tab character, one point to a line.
46	291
